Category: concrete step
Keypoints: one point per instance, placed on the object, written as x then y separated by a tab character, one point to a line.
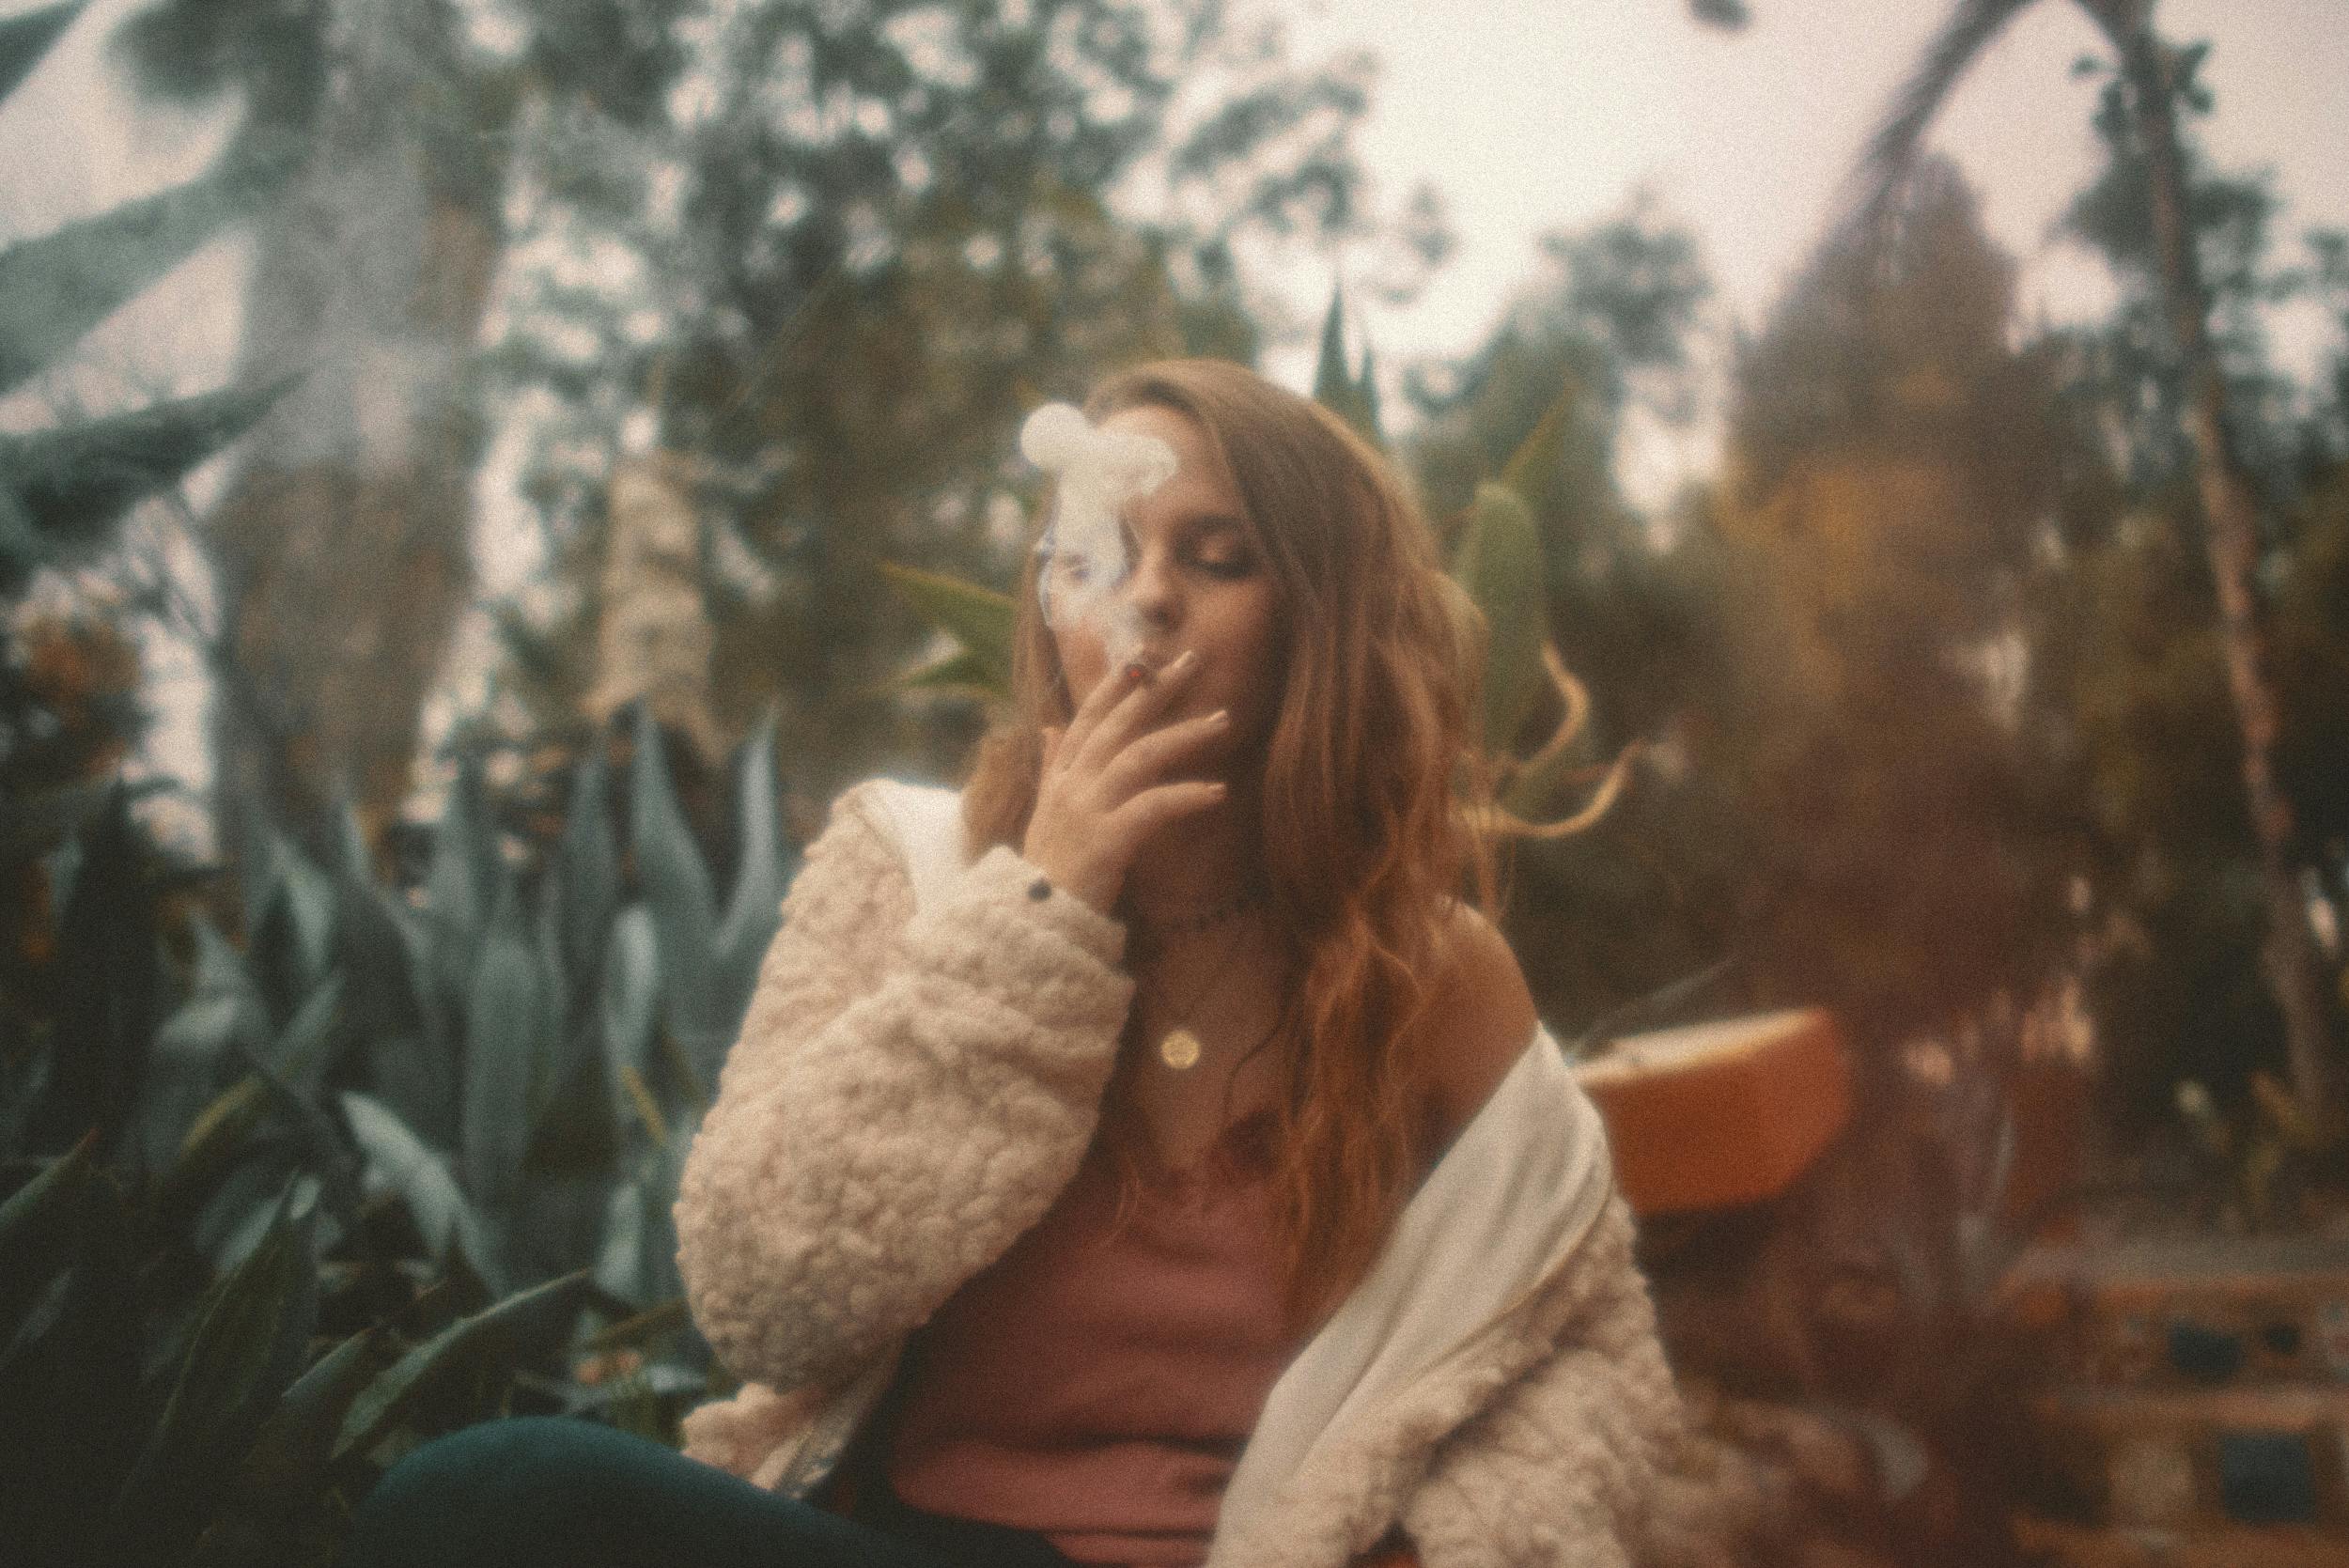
2275	1453
2056	1545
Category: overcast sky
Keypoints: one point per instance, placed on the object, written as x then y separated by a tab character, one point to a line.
1528	116
1532	115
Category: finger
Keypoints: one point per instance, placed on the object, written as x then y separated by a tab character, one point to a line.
1149	757
1162	804
1131	713
1051	733
1107	693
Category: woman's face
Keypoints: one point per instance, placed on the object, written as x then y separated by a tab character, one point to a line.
1197	579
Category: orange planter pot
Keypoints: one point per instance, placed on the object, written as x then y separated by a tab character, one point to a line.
1718	1114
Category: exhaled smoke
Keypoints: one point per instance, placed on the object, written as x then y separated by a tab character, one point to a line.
1096	474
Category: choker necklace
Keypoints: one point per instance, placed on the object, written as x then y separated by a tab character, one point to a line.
1153	936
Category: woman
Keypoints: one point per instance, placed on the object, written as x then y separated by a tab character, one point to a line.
1144	1156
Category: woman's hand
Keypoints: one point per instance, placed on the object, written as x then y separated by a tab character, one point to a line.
1097	800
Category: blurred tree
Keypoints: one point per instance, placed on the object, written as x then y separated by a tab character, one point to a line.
862	245
2153	80
1892	461
341	550
2129	652
1602	338
1603	333
1840	794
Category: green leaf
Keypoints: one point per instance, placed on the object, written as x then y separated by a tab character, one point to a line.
320	1138
215	1141
284	1470
979	619
555	992
756	909
309	902
27	36
504	1018
40	820
303	1054
109	979
247	1350
517	1327
55	288
1499	562
631	992
1533	466
1333	383
637	1262
459	882
399	1161
37	1226
74	484
590	862
393	1003
69	1384
188	1061
960	673
1335	387
676	887
573	1128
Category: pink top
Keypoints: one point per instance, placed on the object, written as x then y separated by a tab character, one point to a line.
1097	1384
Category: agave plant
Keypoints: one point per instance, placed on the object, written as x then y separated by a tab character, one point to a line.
388	1165
65	491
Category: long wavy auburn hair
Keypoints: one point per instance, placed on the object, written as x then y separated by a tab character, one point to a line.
1370	775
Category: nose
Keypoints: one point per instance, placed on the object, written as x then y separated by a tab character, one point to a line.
1154	589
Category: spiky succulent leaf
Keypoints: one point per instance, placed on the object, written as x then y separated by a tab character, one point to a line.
248	1347
73	486
397	1160
518	1327
53	289
1499	562
979	619
590	862
1533	466
26	37
631	994
37	1227
960	674
460	882
756	909
504	1017
69	1384
284	1472
110	983
677	888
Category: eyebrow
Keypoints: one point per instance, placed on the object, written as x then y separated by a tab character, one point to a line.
1215	522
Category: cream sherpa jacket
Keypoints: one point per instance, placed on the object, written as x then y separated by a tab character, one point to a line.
919	1075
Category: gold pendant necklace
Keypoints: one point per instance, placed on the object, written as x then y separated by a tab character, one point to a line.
1179	1049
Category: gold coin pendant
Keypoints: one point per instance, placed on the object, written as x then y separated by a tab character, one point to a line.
1179	1050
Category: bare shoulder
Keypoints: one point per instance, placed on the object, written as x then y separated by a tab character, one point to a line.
1480	1015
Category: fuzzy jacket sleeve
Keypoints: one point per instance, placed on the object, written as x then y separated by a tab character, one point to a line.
910	1092
1588	1458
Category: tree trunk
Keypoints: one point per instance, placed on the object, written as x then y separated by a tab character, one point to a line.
2231	512
342	544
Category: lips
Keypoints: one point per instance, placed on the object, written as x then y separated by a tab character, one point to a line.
1152	663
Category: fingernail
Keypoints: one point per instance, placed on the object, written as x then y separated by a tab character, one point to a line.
1185	658
1220	716
1136	671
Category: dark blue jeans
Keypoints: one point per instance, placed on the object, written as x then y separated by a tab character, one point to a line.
548	1490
